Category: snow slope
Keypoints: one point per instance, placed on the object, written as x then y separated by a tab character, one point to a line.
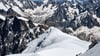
95	51
56	43
29	54
53	40
3	7
2	17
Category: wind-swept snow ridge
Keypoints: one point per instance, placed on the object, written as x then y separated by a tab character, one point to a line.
56	43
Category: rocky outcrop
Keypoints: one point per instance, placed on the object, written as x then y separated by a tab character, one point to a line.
16	33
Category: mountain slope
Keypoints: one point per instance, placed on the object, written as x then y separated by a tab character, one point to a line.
93	52
22	21
56	43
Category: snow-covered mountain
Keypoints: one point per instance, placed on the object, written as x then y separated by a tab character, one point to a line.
70	17
54	42
22	21
16	25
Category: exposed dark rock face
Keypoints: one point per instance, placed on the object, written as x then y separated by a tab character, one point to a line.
64	18
94	42
86	18
98	12
13	37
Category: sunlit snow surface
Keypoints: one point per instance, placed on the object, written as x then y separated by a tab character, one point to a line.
2	17
19	3
55	43
3	7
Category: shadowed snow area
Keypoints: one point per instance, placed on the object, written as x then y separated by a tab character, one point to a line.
55	43
95	51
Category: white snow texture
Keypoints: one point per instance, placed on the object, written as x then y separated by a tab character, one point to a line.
55	43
